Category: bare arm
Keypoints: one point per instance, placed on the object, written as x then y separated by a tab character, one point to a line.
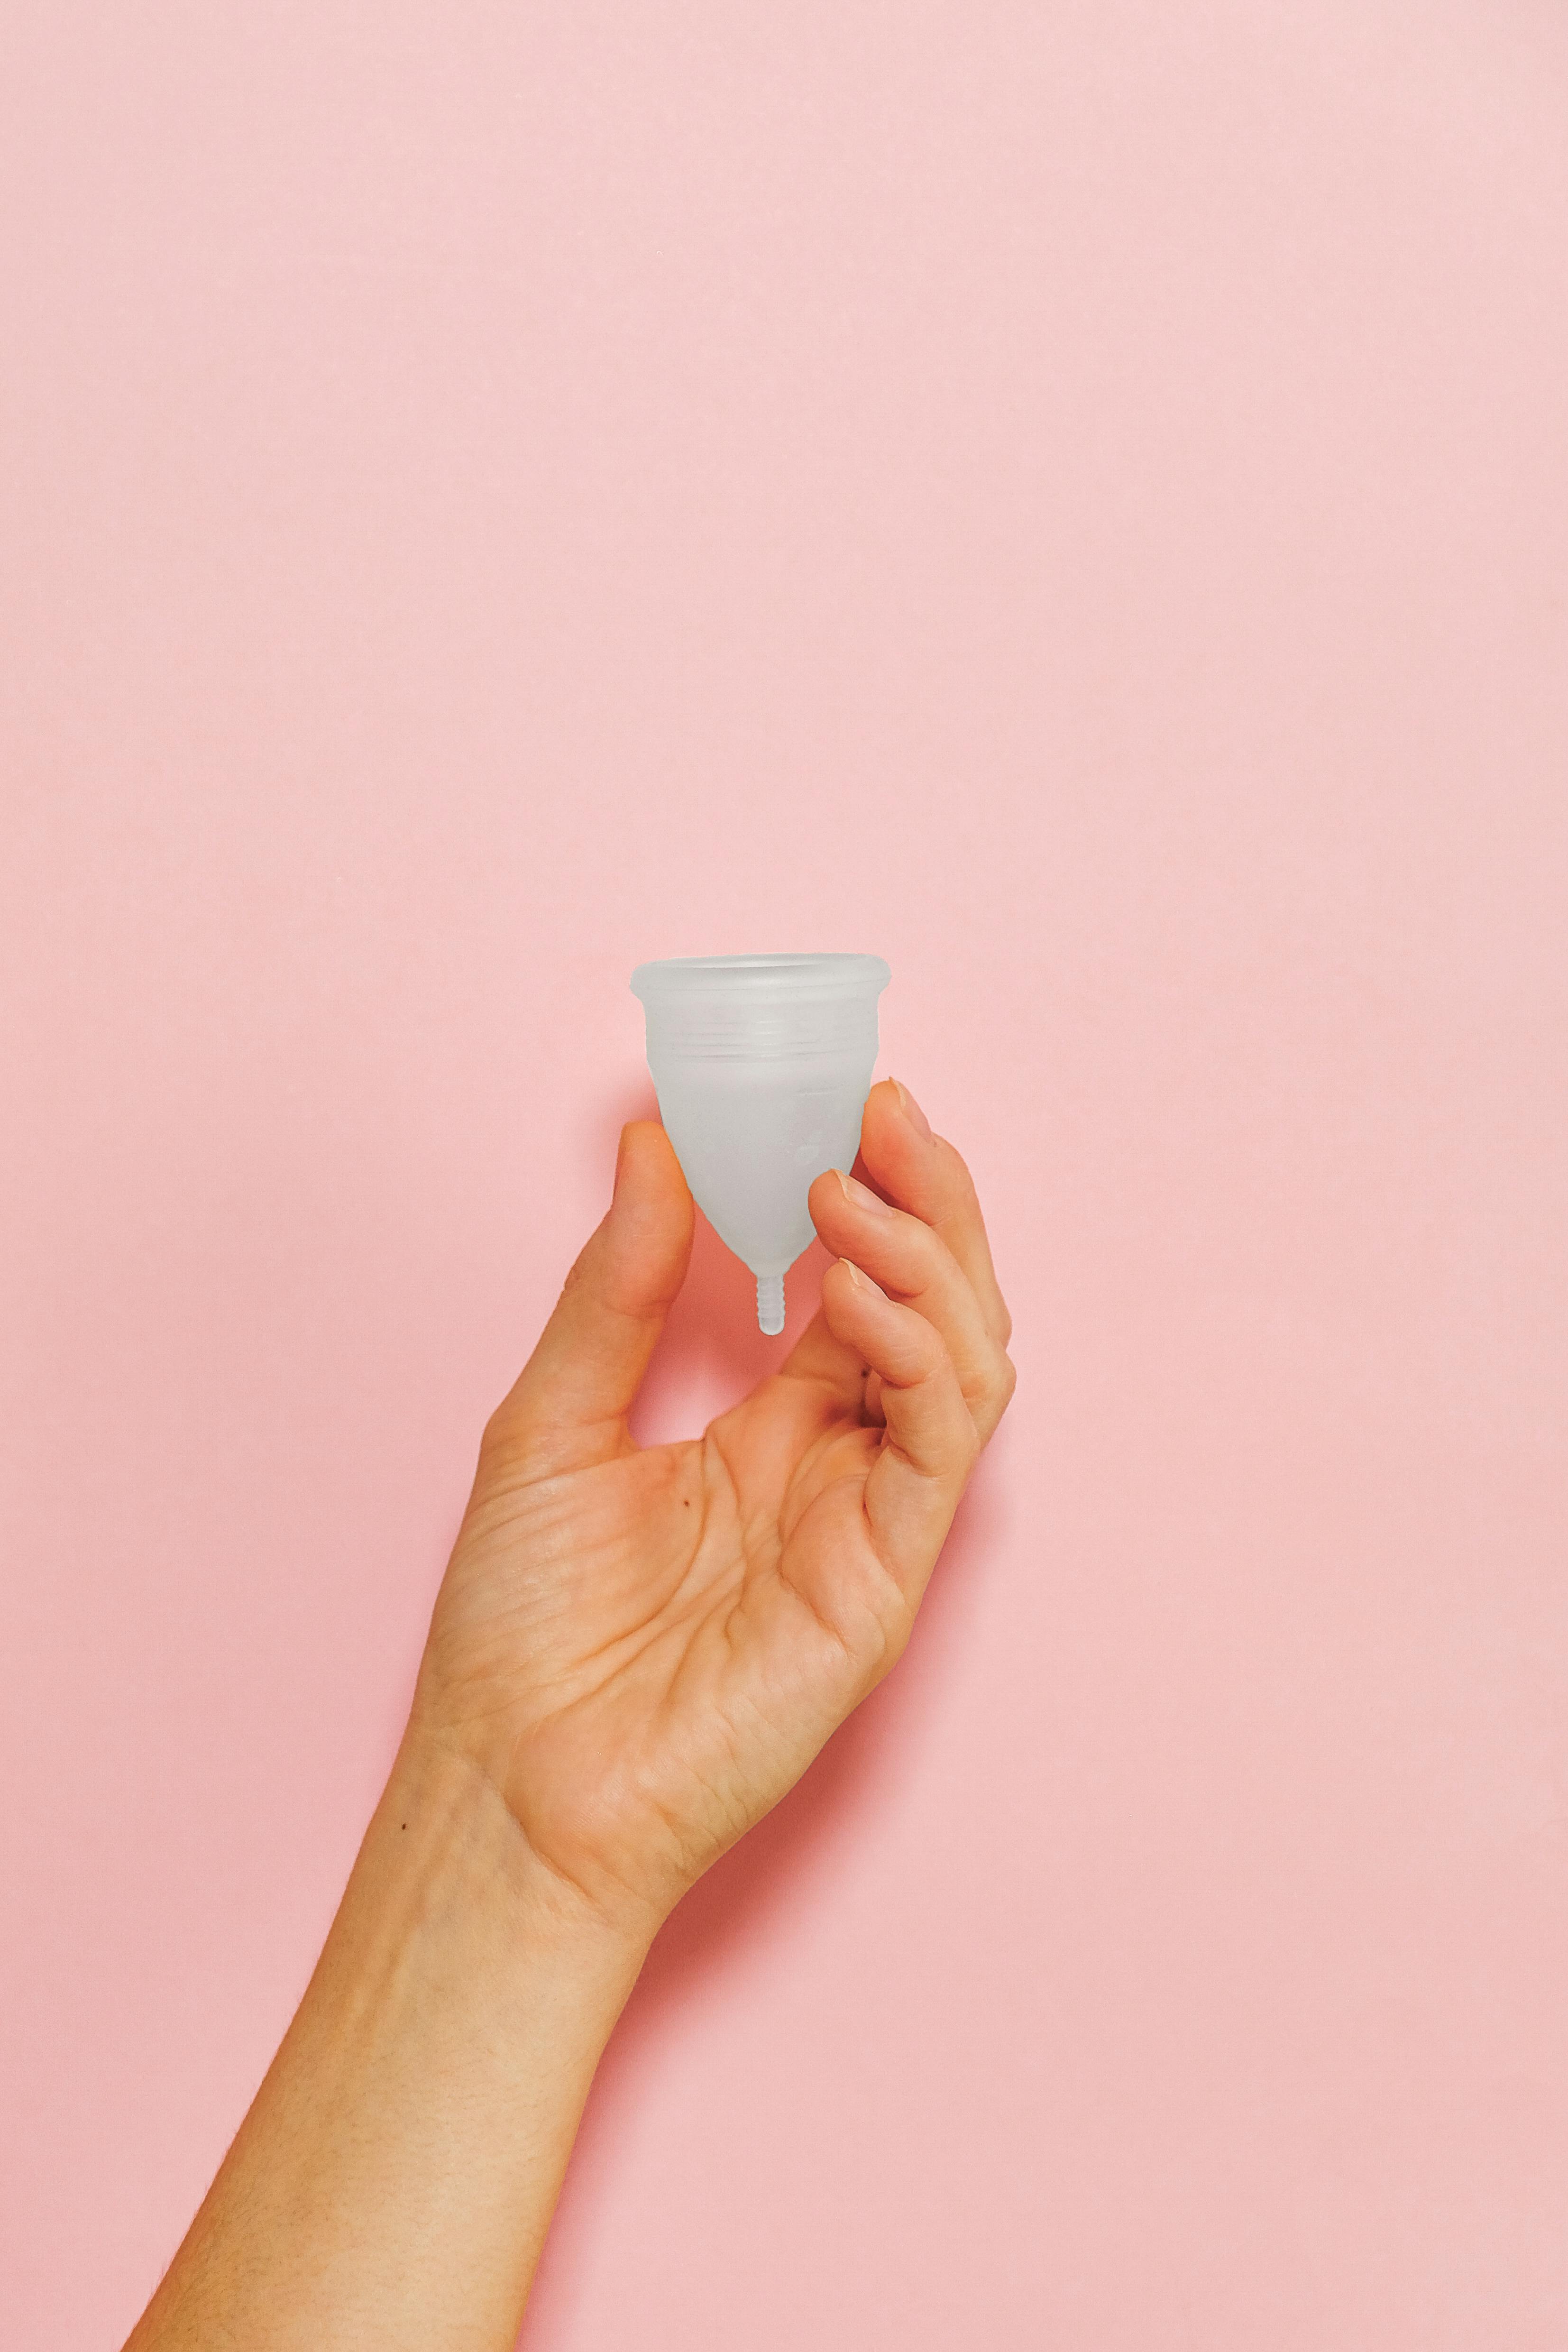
395	2176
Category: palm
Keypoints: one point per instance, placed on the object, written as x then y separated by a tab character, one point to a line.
649	1644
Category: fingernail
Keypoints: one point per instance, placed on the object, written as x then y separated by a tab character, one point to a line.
861	1196
912	1112
861	1280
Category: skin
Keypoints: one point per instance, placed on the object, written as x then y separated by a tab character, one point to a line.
634	1653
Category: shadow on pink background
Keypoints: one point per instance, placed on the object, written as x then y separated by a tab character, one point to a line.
1075	502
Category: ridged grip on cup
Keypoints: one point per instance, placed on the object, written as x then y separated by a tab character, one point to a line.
762	1065
770	1304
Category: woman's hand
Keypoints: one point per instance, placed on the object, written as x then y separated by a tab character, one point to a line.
644	1647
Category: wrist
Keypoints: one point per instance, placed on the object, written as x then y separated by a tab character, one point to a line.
444	1856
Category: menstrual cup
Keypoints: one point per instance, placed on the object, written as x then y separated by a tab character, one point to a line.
762	1065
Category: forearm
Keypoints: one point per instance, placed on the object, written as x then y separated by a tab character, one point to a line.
395	2176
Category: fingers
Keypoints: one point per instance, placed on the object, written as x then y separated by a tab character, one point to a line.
914	1265
930	1444
913	1296
568	1407
947	1274
925	1174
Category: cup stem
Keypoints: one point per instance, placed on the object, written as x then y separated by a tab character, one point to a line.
771	1303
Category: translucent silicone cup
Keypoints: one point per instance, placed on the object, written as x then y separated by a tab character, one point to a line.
762	1065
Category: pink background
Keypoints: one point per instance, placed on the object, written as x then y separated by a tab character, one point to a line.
1071	500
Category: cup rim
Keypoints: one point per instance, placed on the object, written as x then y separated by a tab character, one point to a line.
805	974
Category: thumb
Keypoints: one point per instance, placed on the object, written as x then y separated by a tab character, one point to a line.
567	1406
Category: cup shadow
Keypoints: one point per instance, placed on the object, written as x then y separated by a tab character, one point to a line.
711	1337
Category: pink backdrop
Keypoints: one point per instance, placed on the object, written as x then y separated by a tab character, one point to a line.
1073	500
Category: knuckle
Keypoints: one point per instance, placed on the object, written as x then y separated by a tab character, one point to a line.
960	1182
921	1246
896	1629
948	1152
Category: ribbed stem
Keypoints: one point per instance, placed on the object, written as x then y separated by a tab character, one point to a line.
771	1303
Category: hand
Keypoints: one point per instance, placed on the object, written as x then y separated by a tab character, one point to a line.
644	1647
634	1651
